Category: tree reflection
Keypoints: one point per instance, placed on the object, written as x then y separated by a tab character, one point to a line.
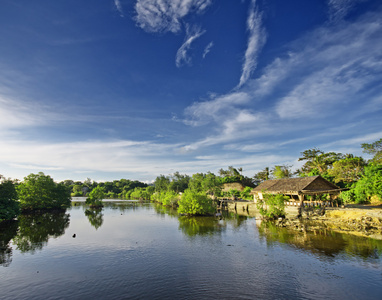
193	226
8	230
36	229
95	217
322	242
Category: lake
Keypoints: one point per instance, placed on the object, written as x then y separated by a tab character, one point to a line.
131	250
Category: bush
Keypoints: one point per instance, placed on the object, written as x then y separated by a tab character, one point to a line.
272	206
39	191
168	198
193	203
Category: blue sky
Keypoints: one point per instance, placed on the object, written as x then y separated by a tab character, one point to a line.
133	89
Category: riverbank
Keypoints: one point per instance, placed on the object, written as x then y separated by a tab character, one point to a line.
361	220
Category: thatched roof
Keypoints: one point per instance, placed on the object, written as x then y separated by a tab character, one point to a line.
232	186
301	185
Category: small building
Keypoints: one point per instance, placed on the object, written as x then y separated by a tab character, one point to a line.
233	186
296	188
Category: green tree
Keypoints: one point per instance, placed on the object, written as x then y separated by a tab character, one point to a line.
39	191
317	161
9	207
162	183
262	175
348	170
95	197
374	149
370	184
193	203
283	171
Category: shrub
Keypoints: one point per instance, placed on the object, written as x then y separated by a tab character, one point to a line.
272	206
193	203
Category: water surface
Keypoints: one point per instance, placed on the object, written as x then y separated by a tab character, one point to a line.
130	250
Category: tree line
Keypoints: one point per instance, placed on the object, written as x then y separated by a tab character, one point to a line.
193	194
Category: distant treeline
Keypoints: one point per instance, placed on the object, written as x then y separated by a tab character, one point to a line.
38	191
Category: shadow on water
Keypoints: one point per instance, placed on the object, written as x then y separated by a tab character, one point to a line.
323	242
8	231
36	229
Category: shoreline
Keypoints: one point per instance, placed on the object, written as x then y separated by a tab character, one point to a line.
360	220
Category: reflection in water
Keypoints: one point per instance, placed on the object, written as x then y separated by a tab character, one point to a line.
95	217
193	226
322	242
165	210
36	229
8	230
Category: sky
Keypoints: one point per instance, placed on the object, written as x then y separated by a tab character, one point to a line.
128	89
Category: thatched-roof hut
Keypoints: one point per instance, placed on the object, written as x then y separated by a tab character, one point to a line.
312	185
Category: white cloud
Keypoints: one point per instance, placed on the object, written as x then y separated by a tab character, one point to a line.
201	113
256	41
207	49
182	55
166	15
338	9
118	6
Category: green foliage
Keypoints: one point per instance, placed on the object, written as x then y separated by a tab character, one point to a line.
9	207
374	149
194	203
348	170
142	193
246	193
262	175
283	171
39	191
207	183
169	198
368	186
96	196
272	206
318	160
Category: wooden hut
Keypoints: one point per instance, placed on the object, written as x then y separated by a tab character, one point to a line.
296	188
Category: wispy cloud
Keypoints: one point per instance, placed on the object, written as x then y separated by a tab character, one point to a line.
166	15
256	40
182	55
118	6
338	9
207	49
322	80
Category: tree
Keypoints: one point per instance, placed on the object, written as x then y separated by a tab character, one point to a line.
348	170
161	183
374	149
39	191
282	172
262	175
95	197
9	207
317	161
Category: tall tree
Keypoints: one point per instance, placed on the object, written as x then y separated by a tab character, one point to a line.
374	149
348	170
283	171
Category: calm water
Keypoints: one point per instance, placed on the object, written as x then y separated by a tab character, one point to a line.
130	250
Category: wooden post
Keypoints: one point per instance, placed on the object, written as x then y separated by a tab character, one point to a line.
301	197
